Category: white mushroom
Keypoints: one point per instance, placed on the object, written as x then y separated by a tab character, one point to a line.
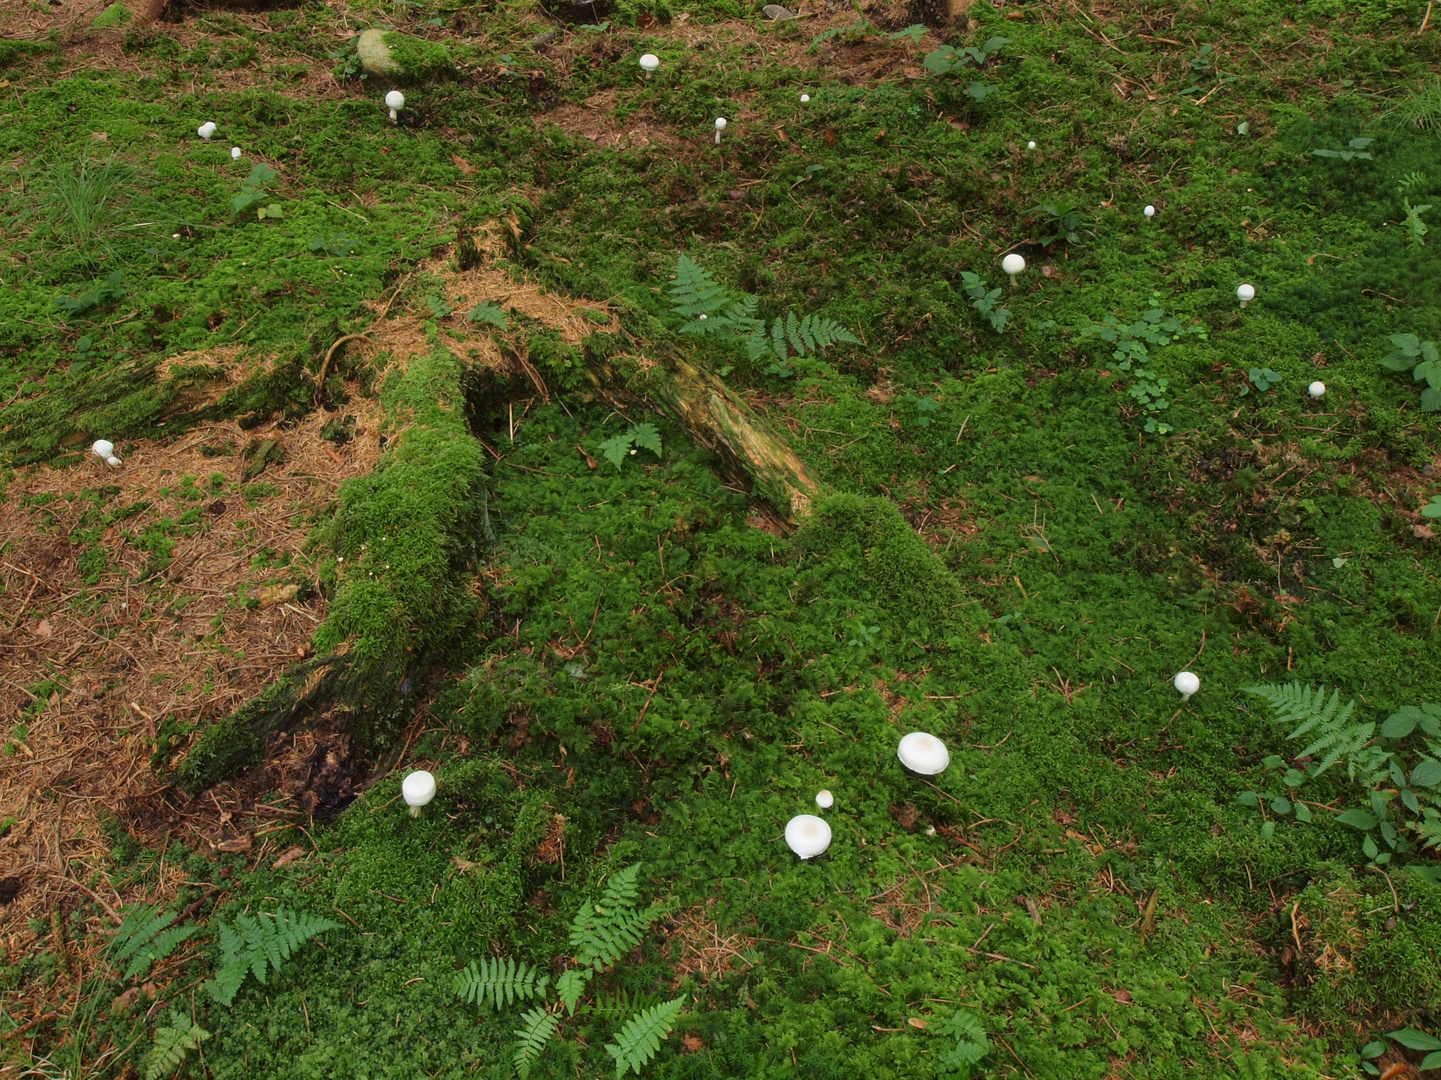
824	799
395	101
1187	683
1031	145
1013	264
648	63
805	98
417	790
235	153
807	835
104	449
1150	211
206	130
924	754
1317	389
720	125
1245	294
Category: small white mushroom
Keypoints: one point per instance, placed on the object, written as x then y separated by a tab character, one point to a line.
235	153
1317	389
648	63
417	790
1013	264
104	449
1150	211
1245	294
805	98
720	125
395	101
206	130
1031	145
1187	683
924	754
824	799
807	835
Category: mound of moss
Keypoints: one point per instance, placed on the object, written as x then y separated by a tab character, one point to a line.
401	58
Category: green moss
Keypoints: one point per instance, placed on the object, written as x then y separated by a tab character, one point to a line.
117	14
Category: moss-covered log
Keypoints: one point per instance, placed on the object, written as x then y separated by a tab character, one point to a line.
405	540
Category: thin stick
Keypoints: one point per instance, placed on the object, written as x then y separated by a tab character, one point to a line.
660	675
325	364
1426	20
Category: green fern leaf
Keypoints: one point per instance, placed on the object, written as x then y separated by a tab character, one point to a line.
1333	737
571	985
537	1027
260	946
142	939
694	292
493	983
646	437
779	342
172	1043
606	930
637	1042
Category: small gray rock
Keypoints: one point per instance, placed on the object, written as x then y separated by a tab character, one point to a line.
775	11
544	38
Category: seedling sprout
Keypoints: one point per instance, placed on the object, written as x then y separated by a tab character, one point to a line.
807	835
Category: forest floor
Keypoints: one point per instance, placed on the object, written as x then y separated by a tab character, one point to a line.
400	398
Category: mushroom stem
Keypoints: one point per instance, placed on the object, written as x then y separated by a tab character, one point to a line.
415	811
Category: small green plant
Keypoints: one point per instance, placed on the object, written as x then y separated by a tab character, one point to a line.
969	1045
1061	220
948	60
172	1043
1412	1040
638	437
1379	762
98	297
1262	378
713	311
862	634
337	246
1421	109
1356	152
490	313
252	191
437	306
260	945
146	936
1433	508
1132	352
1415	228
347	57
1423	360
924	407
986	301
601	932
85	201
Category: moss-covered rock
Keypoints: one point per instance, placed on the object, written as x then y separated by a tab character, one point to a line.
400	58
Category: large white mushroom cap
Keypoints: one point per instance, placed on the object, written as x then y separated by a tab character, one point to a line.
417	790
206	129
1245	293
720	123
1317	389
924	754
1013	264
807	835
1187	683
395	100
649	61
103	448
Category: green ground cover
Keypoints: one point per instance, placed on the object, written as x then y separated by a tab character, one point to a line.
1029	531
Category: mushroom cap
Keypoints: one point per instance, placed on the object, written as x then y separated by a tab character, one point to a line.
418	788
1150	210
1245	292
1317	389
807	835
720	123
103	448
824	799
805	98
1031	145
1013	263
649	61
235	153
924	754
395	100
206	129
1187	682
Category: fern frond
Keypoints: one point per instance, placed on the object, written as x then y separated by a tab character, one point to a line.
536	1028
571	985
499	982
694	292
172	1043
606	930
142	938
260	946
637	1042
1327	722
